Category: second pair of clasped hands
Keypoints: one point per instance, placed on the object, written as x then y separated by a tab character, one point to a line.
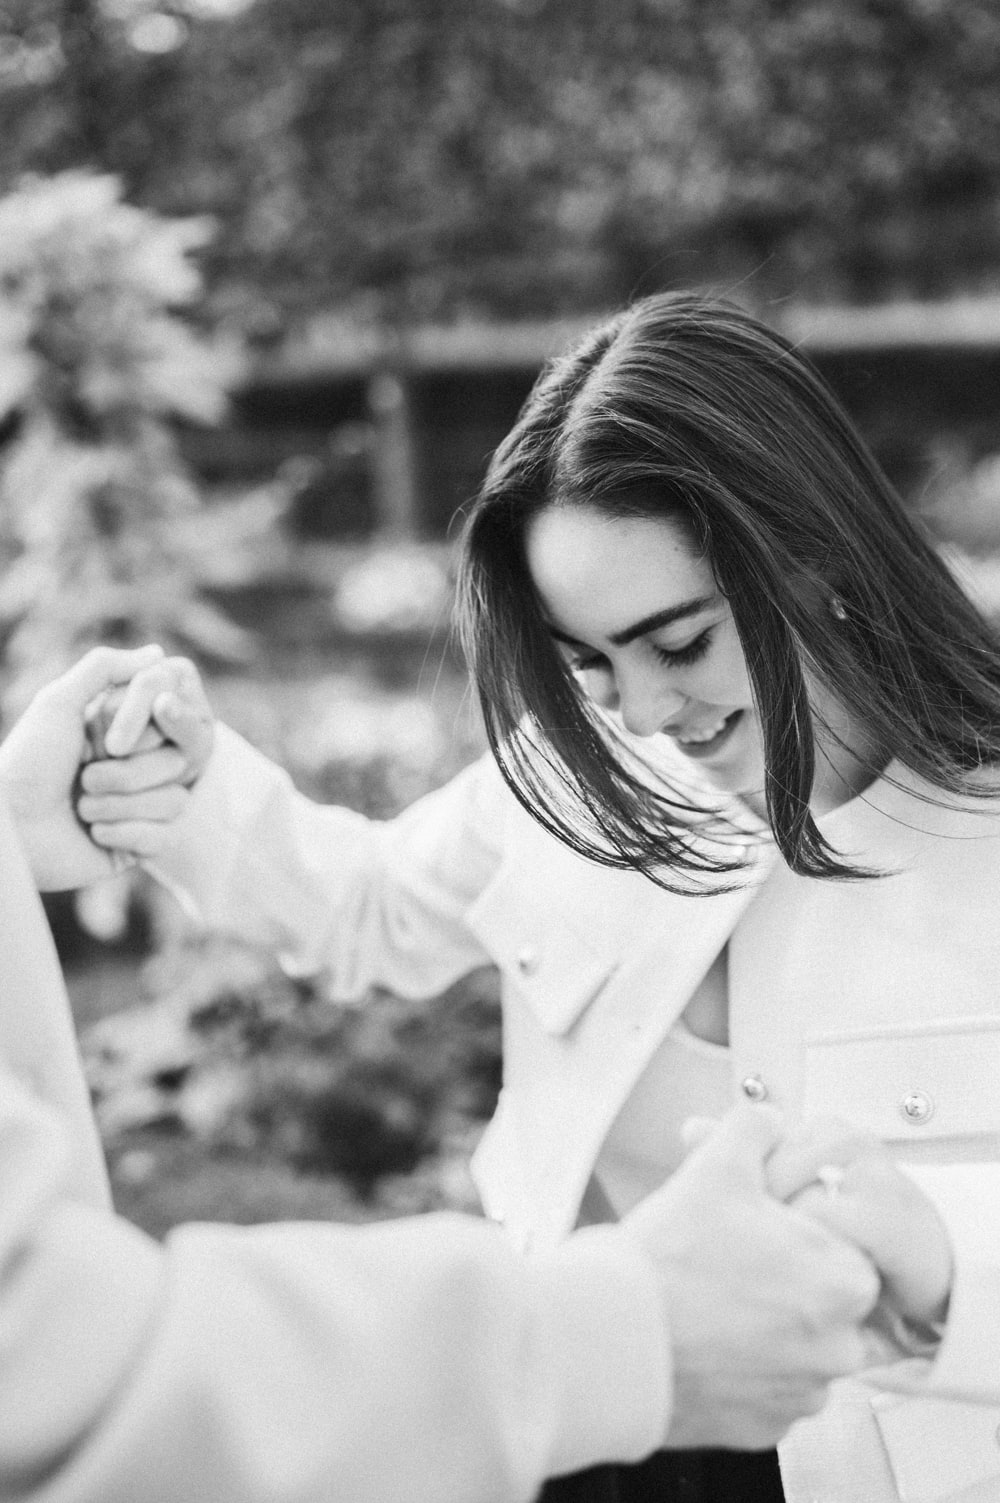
792	1255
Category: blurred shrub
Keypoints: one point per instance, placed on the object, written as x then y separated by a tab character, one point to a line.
95	360
375	753
350	738
235	1056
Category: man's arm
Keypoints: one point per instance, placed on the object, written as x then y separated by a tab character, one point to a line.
420	1360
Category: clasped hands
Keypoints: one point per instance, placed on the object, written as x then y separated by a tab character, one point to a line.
787	1256
796	1255
848	1181
100	766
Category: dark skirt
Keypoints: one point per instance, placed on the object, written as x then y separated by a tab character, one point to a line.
676	1477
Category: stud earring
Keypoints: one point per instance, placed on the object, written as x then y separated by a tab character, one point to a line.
838	610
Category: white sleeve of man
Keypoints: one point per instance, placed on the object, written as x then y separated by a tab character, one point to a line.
372	902
421	1361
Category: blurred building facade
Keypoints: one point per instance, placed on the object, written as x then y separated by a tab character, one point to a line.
396	440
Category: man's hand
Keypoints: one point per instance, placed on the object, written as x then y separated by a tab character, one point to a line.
151	741
763	1304
867	1198
40	761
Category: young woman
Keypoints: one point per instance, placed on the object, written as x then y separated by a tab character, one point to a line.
684	539
720	666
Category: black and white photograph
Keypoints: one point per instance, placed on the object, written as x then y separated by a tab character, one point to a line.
499	751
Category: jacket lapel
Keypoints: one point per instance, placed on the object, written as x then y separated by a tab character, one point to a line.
610	963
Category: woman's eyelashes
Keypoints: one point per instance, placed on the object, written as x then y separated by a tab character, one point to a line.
679	657
675	657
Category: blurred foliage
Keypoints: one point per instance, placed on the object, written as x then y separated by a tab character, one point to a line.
372	735
94	362
431	158
235	1056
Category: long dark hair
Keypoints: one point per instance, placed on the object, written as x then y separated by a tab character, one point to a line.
687	408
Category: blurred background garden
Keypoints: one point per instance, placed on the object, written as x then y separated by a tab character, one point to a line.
275	276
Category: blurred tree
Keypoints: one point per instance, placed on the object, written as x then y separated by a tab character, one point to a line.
860	140
416	158
94	360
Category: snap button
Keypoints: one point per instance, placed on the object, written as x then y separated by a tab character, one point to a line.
753	1088
917	1107
527	961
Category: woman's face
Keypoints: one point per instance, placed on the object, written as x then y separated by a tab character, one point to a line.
639	618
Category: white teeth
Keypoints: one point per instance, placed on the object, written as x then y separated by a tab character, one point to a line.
696	738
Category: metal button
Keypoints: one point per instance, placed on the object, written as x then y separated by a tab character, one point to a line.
753	1088
527	961
917	1107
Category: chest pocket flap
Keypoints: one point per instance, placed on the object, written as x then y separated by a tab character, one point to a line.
935	1080
547	954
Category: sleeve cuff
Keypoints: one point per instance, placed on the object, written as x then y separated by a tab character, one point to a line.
207	841
966	1362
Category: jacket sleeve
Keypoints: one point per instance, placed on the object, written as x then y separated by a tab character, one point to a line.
372	903
966	1362
421	1361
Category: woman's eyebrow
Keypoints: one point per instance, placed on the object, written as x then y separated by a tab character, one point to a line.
662	618
648	623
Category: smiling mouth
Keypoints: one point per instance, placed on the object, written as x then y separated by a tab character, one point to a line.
704	743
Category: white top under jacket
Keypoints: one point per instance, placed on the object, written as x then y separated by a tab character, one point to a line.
421	1361
876	1001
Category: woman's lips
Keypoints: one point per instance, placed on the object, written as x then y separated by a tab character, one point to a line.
700	749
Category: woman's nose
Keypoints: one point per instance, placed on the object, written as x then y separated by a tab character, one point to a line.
645	703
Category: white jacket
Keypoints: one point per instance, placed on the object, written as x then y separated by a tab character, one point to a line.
847	998
423	1362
